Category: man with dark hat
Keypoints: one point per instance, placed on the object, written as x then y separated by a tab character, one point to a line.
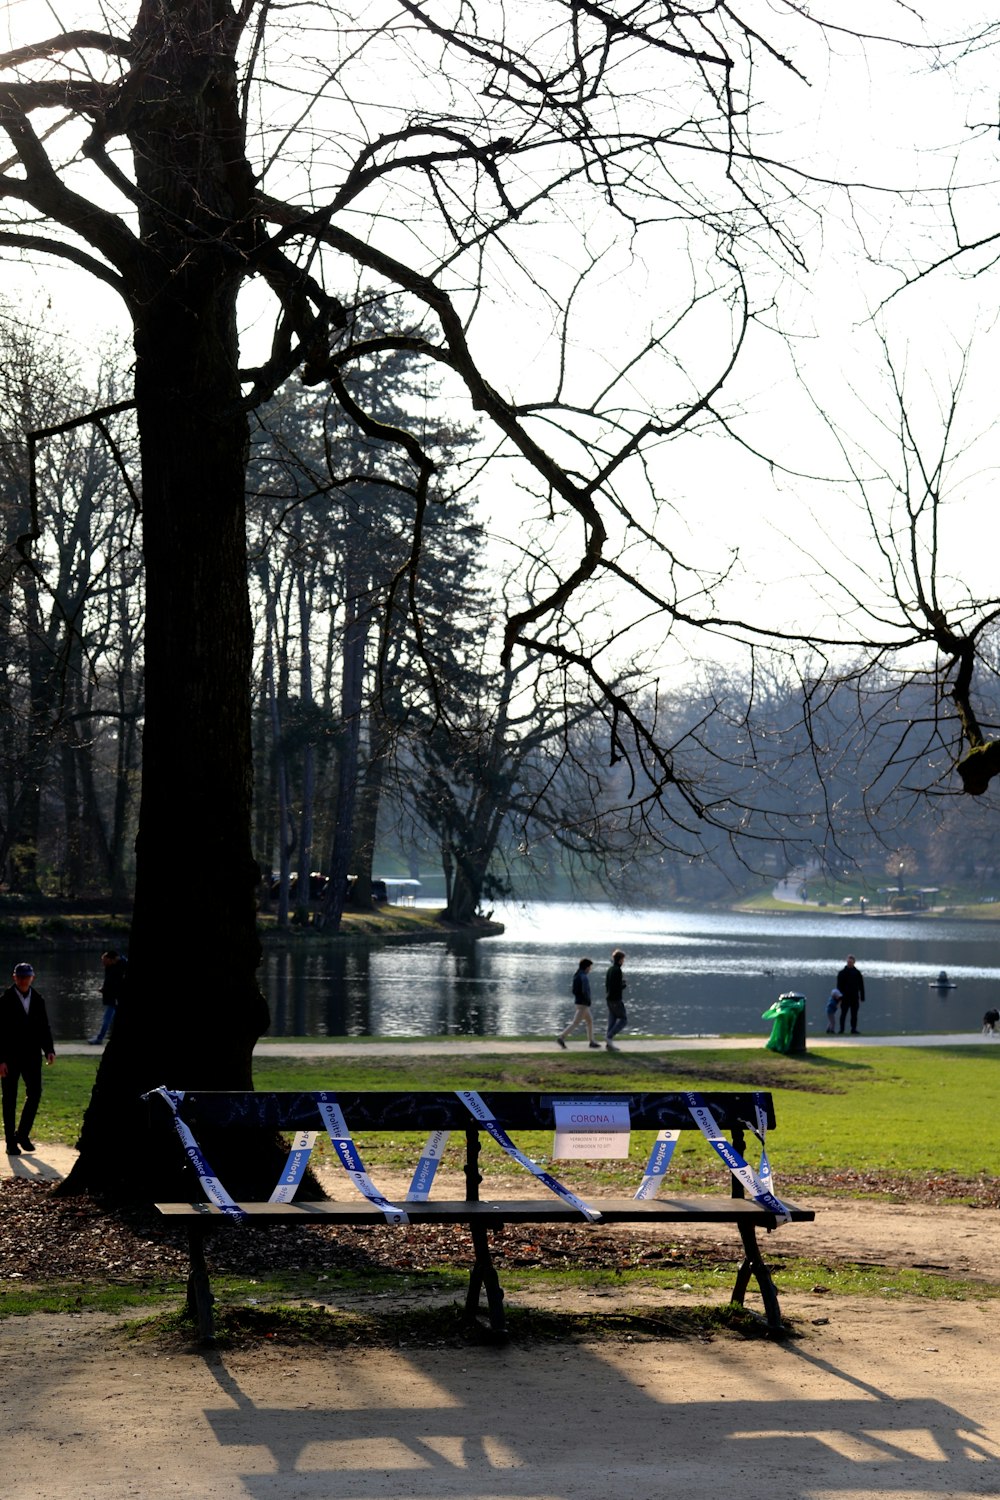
25	1036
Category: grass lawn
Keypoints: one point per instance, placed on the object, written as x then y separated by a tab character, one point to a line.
375	1310
855	1122
843	1118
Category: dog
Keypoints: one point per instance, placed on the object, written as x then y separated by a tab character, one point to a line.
990	1022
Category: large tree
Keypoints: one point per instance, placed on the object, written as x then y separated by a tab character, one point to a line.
507	170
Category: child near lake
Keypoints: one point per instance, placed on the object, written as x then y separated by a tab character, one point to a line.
832	1007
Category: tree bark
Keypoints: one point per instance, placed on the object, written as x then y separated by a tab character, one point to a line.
193	1012
357	624
304	892
366	818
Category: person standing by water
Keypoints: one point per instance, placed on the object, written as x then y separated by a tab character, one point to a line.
581	994
851	985
115	970
25	1035
614	993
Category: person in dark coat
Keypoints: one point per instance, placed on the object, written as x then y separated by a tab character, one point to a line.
581	996
852	994
614	994
25	1037
115	971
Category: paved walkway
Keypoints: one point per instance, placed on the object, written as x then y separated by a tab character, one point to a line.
494	1046
47	1164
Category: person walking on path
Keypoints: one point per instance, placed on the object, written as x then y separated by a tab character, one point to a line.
25	1035
851	985
832	1007
581	994
115	970
614	991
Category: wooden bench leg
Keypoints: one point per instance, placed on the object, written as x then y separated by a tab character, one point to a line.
199	1290
484	1273
753	1265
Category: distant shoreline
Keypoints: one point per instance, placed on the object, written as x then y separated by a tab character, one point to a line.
767	907
48	930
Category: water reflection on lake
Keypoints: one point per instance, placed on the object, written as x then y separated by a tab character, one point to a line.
689	972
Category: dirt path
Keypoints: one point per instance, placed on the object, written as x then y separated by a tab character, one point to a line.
963	1241
879	1401
883	1399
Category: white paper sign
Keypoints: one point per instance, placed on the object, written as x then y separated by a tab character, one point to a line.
591	1129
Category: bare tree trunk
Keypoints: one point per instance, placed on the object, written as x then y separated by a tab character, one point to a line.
281	805
72	882
126	764
363	839
355	638
26	821
195	227
308	754
472	861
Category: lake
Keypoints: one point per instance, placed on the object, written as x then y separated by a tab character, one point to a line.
689	973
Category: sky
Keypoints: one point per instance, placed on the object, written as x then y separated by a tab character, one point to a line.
811	393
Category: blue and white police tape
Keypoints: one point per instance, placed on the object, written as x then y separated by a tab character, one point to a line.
659	1160
211	1186
764	1170
480	1112
741	1170
295	1167
423	1176
347	1154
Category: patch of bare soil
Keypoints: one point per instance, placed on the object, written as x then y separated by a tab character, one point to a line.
47	1238
44	1237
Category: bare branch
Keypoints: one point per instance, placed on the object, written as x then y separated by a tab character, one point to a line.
44	246
68	41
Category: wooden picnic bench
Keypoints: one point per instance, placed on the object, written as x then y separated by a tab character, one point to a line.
201	1116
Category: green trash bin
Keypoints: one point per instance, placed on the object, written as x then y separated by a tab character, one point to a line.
788	1033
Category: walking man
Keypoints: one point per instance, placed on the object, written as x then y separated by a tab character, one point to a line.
851	985
614	990
25	1035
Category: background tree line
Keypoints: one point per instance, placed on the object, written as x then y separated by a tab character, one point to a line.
381	711
371	735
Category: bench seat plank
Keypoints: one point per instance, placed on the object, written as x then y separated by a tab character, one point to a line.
552	1210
